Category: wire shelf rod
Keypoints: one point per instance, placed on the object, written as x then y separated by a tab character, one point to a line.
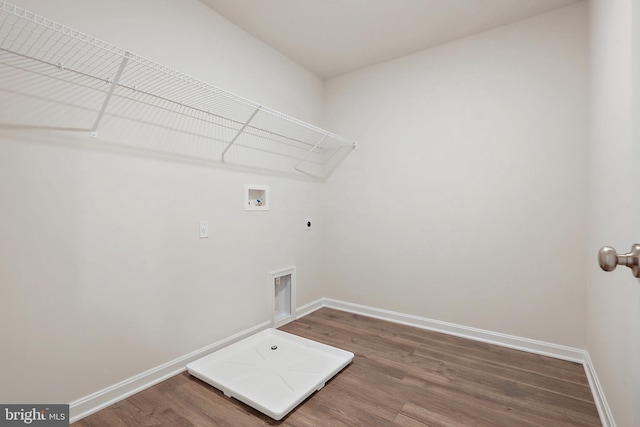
49	65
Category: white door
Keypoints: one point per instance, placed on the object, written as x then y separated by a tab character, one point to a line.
636	205
635	29
613	312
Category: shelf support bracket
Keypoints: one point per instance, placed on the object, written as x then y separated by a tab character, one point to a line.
114	83
307	155
240	131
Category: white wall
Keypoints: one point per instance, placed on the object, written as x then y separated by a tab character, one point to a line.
613	298
466	201
102	272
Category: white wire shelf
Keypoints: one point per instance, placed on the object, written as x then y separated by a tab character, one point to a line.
67	80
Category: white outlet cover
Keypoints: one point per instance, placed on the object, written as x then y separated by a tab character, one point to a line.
204	229
308	223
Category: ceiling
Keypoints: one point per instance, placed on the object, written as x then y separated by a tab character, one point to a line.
333	37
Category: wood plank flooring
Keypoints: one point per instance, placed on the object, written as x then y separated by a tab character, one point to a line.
400	376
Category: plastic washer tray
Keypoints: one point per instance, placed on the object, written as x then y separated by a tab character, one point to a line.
271	371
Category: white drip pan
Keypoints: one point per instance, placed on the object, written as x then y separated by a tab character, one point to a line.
271	371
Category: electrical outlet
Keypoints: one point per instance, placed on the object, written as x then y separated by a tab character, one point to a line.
308	223
204	229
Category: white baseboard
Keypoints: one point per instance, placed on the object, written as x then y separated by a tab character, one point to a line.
504	340
117	392
606	416
110	395
310	308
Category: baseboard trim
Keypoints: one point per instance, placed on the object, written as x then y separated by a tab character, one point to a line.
504	340
606	416
108	396
310	308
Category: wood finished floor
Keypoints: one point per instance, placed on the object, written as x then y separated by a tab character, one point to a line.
400	376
